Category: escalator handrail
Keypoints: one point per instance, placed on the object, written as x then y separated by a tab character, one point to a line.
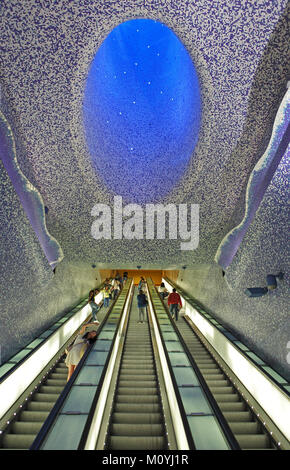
216	409
19	363
258	418
177	394
280	386
119	371
87	427
39	439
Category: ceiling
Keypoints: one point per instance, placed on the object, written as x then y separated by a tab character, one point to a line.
240	52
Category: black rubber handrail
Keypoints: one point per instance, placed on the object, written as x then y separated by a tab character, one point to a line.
87	427
216	409
119	371
60	401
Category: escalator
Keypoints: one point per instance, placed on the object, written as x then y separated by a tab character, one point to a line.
22	430
137	420
247	429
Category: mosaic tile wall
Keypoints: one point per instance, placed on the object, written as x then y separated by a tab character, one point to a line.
240	51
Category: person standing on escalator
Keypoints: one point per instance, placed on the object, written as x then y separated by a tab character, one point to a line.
141	284
91	301
174	303
106	293
142	305
116	288
77	349
163	291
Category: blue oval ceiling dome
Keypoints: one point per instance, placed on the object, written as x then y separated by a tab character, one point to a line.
141	110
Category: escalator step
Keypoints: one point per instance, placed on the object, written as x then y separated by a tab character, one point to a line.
237	416
60	370
137	362
204	361
221	390
133	418
17	441
137	399
129	378
137	391
138	354
217	383
137	443
138	429
208	367
57	383
136	372
56	376
138	383
212	372
33	416
137	407
227	398
142	367
46	397
25	428
253	441
245	428
232	406
51	389
39	406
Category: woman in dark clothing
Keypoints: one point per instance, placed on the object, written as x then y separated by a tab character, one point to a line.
142	305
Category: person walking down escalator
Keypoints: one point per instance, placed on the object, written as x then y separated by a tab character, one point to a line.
116	288
94	306
106	293
174	303
163	291
142	306
77	349
141	285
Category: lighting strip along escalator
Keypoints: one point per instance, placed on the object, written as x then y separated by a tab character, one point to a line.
252	426
208	427
246	426
8	367
28	414
66	423
22	372
37	401
251	356
135	413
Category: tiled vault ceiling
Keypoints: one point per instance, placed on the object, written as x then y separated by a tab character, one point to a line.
240	51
